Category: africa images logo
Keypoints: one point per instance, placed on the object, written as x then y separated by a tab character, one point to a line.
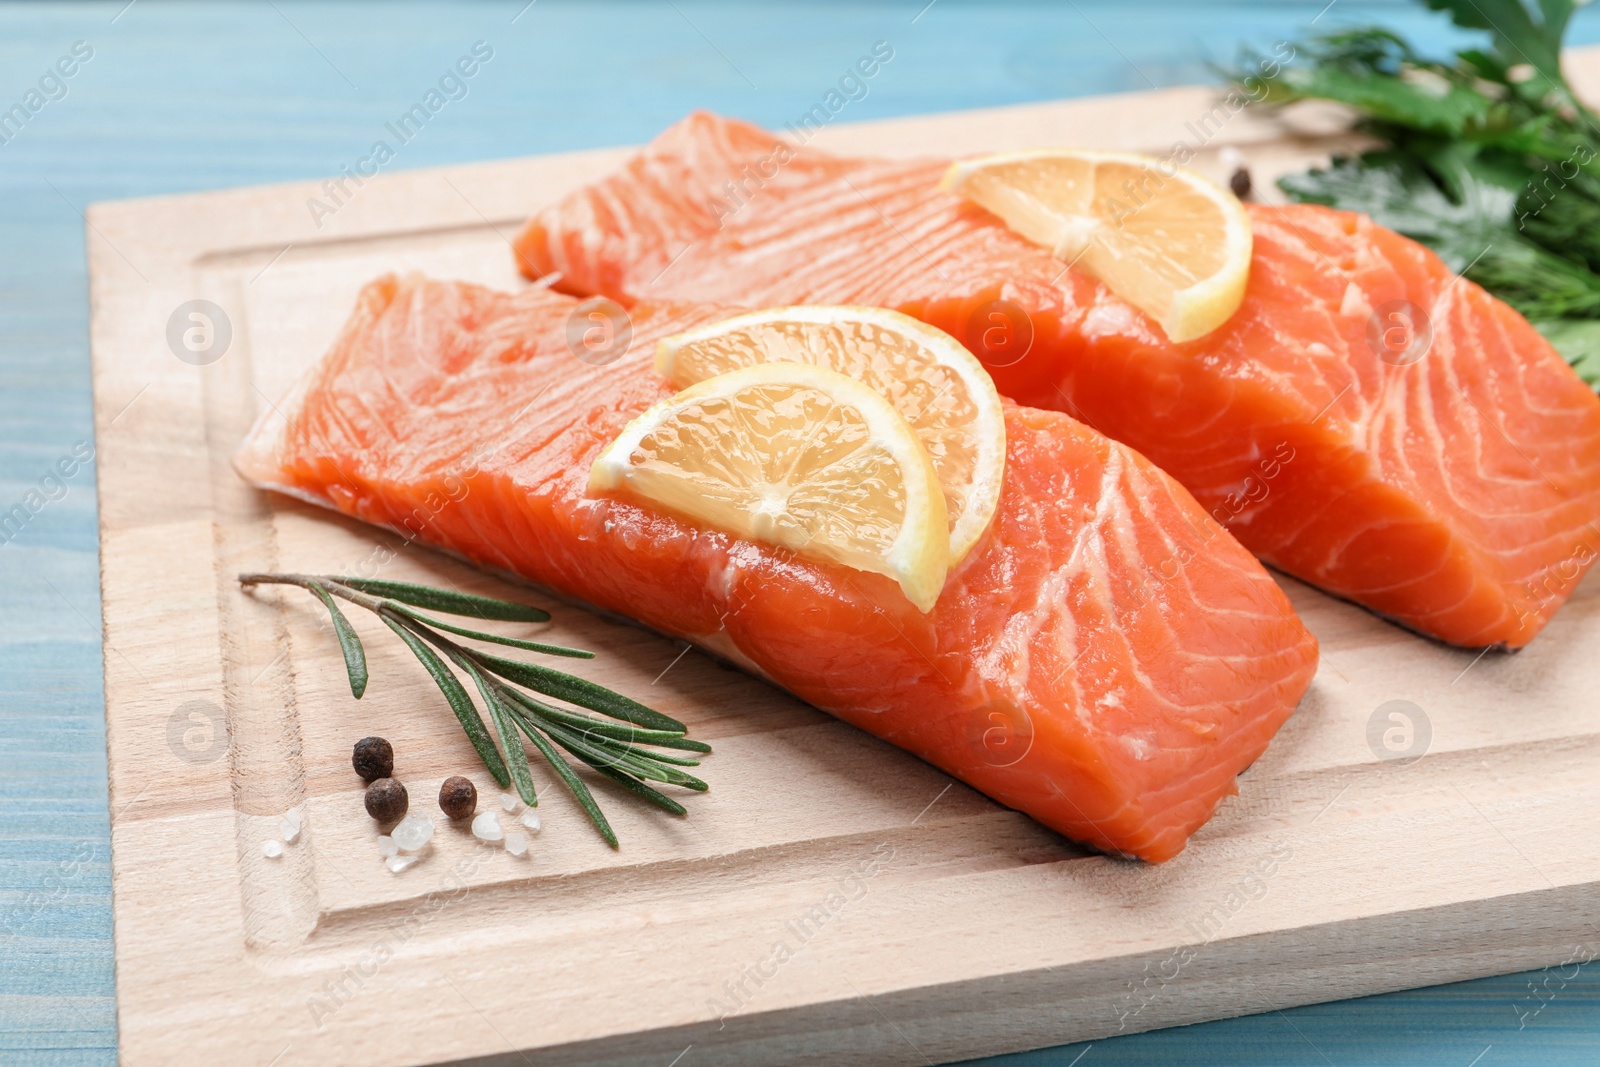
452	85
51	87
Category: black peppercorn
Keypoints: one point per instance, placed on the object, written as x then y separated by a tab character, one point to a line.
386	800
373	758
458	797
1240	183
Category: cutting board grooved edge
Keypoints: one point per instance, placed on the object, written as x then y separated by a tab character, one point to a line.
268	778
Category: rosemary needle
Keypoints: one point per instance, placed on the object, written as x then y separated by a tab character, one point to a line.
622	745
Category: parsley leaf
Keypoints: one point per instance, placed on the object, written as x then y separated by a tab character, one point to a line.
1523	32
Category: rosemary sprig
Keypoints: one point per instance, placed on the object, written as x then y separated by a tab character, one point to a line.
621	747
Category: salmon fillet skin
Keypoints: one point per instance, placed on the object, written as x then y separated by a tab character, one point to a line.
1447	477
1107	659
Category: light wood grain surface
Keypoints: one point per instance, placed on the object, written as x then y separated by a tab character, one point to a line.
1335	873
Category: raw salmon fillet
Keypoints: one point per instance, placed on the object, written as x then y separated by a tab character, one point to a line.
1108	659
1458	495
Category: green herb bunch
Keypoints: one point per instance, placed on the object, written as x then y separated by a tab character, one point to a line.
1489	157
623	745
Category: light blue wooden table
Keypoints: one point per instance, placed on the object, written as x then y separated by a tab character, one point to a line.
178	98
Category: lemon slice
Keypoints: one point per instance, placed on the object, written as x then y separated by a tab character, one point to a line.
1166	240
797	456
939	387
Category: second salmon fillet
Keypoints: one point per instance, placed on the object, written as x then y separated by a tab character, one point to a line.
1107	659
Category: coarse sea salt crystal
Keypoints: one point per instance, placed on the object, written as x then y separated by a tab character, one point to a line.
486	827
508	802
530	819
387	846
517	844
412	832
272	849
400	863
289	826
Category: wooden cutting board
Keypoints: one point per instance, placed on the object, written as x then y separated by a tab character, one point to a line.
1427	815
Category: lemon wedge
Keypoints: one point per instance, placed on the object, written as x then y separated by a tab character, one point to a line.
939	388
797	456
1164	239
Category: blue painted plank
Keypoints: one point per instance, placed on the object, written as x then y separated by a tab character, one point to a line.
179	97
